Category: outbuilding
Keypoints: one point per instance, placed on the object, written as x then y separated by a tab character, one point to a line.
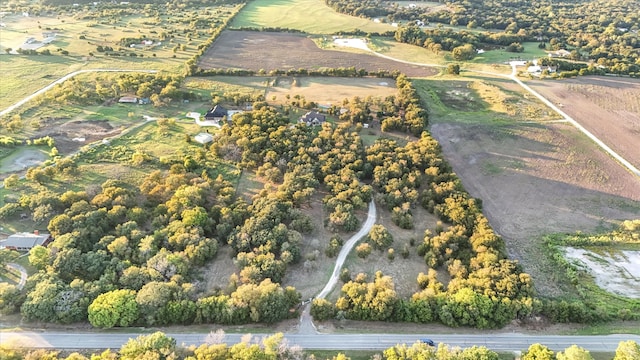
25	241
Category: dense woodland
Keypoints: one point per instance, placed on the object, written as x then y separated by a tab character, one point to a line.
131	252
603	32
140	245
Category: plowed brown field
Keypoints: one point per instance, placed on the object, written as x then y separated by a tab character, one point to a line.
609	107
252	50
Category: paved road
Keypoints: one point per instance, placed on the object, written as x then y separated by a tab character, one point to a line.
60	81
497	342
346	248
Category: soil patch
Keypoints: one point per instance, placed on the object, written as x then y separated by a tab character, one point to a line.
72	135
282	51
538	179
618	273
609	107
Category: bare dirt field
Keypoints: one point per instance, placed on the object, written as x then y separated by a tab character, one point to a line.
536	179
69	137
329	91
281	51
609	107
72	135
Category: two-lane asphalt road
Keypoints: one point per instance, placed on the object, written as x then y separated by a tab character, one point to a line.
503	342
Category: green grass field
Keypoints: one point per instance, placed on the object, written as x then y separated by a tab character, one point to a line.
24	74
531	52
490	61
311	16
483	100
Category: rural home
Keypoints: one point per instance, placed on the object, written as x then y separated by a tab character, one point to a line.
313	118
216	113
203	138
25	241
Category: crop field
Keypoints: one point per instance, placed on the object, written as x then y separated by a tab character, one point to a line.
272	51
302	15
534	177
608	107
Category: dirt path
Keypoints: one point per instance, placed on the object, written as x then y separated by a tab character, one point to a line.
582	129
60	81
306	325
23	274
346	249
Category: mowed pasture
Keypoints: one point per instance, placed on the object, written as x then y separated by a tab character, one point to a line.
282	51
534	177
609	107
310	16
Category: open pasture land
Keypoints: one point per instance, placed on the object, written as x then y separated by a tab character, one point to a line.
282	51
329	90
159	40
534	178
310	16
609	107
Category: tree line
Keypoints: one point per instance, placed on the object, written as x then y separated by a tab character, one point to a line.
271	347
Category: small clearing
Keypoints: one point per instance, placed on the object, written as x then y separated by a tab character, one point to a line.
618	273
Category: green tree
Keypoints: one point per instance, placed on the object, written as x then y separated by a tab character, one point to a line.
114	308
574	352
10	298
380	237
464	52
154	346
453	69
538	352
39	257
627	350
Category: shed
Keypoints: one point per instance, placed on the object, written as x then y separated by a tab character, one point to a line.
203	138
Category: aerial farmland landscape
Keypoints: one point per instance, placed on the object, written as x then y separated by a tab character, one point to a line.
309	179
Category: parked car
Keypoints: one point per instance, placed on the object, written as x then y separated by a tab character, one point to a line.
428	342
